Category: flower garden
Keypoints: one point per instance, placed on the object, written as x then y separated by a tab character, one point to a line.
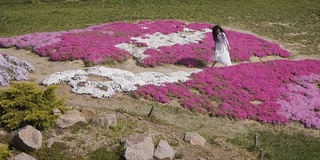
277	91
12	68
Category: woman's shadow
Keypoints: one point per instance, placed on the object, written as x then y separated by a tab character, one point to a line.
192	63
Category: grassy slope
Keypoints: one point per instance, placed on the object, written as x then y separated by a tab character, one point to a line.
288	21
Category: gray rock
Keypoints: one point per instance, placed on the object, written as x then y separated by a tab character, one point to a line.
23	156
195	139
164	150
50	141
27	139
139	147
107	120
70	118
88	111
56	111
3	132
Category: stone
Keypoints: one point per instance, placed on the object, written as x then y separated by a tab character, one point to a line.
70	118
3	132
164	151
195	139
56	111
88	111
50	142
107	120
27	139
23	156
139	147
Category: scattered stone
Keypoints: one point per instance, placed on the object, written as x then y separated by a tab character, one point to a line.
138	147
70	118
27	139
50	142
107	120
195	139
23	156
56	111
88	111
3	132
164	151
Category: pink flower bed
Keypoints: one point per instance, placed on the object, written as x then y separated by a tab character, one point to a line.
301	100
274	92
98	44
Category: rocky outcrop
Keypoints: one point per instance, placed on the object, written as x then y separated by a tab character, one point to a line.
27	139
194	138
23	156
164	151
3	132
138	147
88	111
106	120
70	118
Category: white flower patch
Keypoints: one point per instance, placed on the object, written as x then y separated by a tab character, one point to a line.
117	80
62	76
156	40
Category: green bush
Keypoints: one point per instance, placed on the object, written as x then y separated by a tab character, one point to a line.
4	151
27	104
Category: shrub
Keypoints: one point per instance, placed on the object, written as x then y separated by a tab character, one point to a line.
26	104
4	151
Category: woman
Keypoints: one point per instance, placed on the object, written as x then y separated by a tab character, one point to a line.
222	47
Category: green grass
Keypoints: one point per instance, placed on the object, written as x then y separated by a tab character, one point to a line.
281	145
105	153
58	151
288	21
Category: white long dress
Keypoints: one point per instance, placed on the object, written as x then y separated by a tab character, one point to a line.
222	54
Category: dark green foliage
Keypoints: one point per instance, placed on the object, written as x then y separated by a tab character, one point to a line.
27	104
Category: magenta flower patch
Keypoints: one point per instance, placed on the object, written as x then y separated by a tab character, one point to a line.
274	91
152	43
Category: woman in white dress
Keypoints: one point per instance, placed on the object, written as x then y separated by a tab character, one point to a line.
222	47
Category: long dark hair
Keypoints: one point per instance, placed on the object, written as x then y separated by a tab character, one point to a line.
215	32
